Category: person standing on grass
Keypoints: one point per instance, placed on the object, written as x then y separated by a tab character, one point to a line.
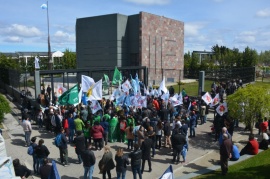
225	152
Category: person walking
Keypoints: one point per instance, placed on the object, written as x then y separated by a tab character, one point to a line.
33	145
192	124
121	163
27	128
136	160
146	152
225	151
89	161
41	152
80	145
105	126
178	141
71	128
106	164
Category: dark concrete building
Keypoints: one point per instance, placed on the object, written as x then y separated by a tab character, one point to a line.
143	39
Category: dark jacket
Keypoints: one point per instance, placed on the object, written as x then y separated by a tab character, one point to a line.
107	161
121	163
167	129
88	158
64	142
146	148
226	148
136	158
80	144
105	126
45	171
21	171
41	151
178	141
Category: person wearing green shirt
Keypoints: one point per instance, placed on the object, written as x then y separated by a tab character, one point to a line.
79	125
112	129
86	132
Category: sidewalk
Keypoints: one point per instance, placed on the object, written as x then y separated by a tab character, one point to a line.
203	151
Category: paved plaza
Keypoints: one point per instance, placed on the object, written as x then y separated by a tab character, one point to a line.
203	151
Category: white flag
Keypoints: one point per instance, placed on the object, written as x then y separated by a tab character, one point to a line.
207	98
37	63
146	92
60	90
141	101
95	91
95	106
215	100
162	87
87	82
222	108
126	86
168	174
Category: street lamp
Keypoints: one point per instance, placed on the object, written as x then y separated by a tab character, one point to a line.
46	6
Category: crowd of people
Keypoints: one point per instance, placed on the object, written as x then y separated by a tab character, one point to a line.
144	130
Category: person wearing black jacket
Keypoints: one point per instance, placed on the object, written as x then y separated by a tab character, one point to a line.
34	155
45	170
146	152
178	141
63	149
80	145
136	160
167	134
89	160
21	170
121	163
41	152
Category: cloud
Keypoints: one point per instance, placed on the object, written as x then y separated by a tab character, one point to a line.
263	13
246	37
13	39
20	30
149	2
192	29
63	37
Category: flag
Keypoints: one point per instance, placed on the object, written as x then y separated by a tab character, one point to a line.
146	92
80	96
162	87
44	6
60	90
87	82
37	63
175	100
140	101
127	101
116	93
106	82
215	100
126	86
222	108
120	100
84	98
117	77
137	82
95	106
134	85
189	106
165	97
168	174
70	96
180	98
207	98
54	172
95	91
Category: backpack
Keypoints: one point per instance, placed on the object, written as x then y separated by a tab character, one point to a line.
58	140
123	125
30	150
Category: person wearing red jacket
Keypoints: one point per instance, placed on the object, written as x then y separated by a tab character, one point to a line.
252	147
156	104
264	125
97	134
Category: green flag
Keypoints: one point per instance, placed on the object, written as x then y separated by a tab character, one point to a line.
106	82
117	77
70	96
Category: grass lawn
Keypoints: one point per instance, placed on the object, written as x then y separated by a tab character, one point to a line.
255	167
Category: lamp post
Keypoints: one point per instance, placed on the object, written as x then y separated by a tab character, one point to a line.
179	83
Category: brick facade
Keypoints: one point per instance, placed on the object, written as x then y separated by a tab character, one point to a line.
162	47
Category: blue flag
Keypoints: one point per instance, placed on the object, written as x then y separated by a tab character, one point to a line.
44	6
54	172
168	174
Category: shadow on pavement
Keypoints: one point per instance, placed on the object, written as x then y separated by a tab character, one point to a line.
18	142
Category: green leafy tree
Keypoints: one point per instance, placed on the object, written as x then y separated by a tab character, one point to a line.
246	104
69	60
4	107
250	57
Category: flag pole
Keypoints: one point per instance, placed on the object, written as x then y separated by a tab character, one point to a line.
50	65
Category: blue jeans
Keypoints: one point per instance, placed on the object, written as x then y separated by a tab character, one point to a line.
35	162
39	164
71	135
123	173
40	123
80	158
27	137
135	170
88	172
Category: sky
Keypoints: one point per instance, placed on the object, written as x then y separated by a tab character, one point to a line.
231	23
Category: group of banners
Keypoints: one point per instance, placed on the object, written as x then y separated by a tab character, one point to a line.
222	107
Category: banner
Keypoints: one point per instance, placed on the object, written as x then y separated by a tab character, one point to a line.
106	82
69	97
87	82
95	106
222	108
126	86
215	100
117	77
162	87
95	91
207	98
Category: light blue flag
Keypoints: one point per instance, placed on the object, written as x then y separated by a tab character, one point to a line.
54	172
134	85
137	82
44	6
84	98
127	101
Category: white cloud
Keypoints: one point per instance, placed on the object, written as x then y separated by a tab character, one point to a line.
63	37
192	29
150	2
20	30
245	39
13	39
263	13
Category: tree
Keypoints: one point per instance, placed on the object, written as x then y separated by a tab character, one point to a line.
246	104
250	57
4	107
69	60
